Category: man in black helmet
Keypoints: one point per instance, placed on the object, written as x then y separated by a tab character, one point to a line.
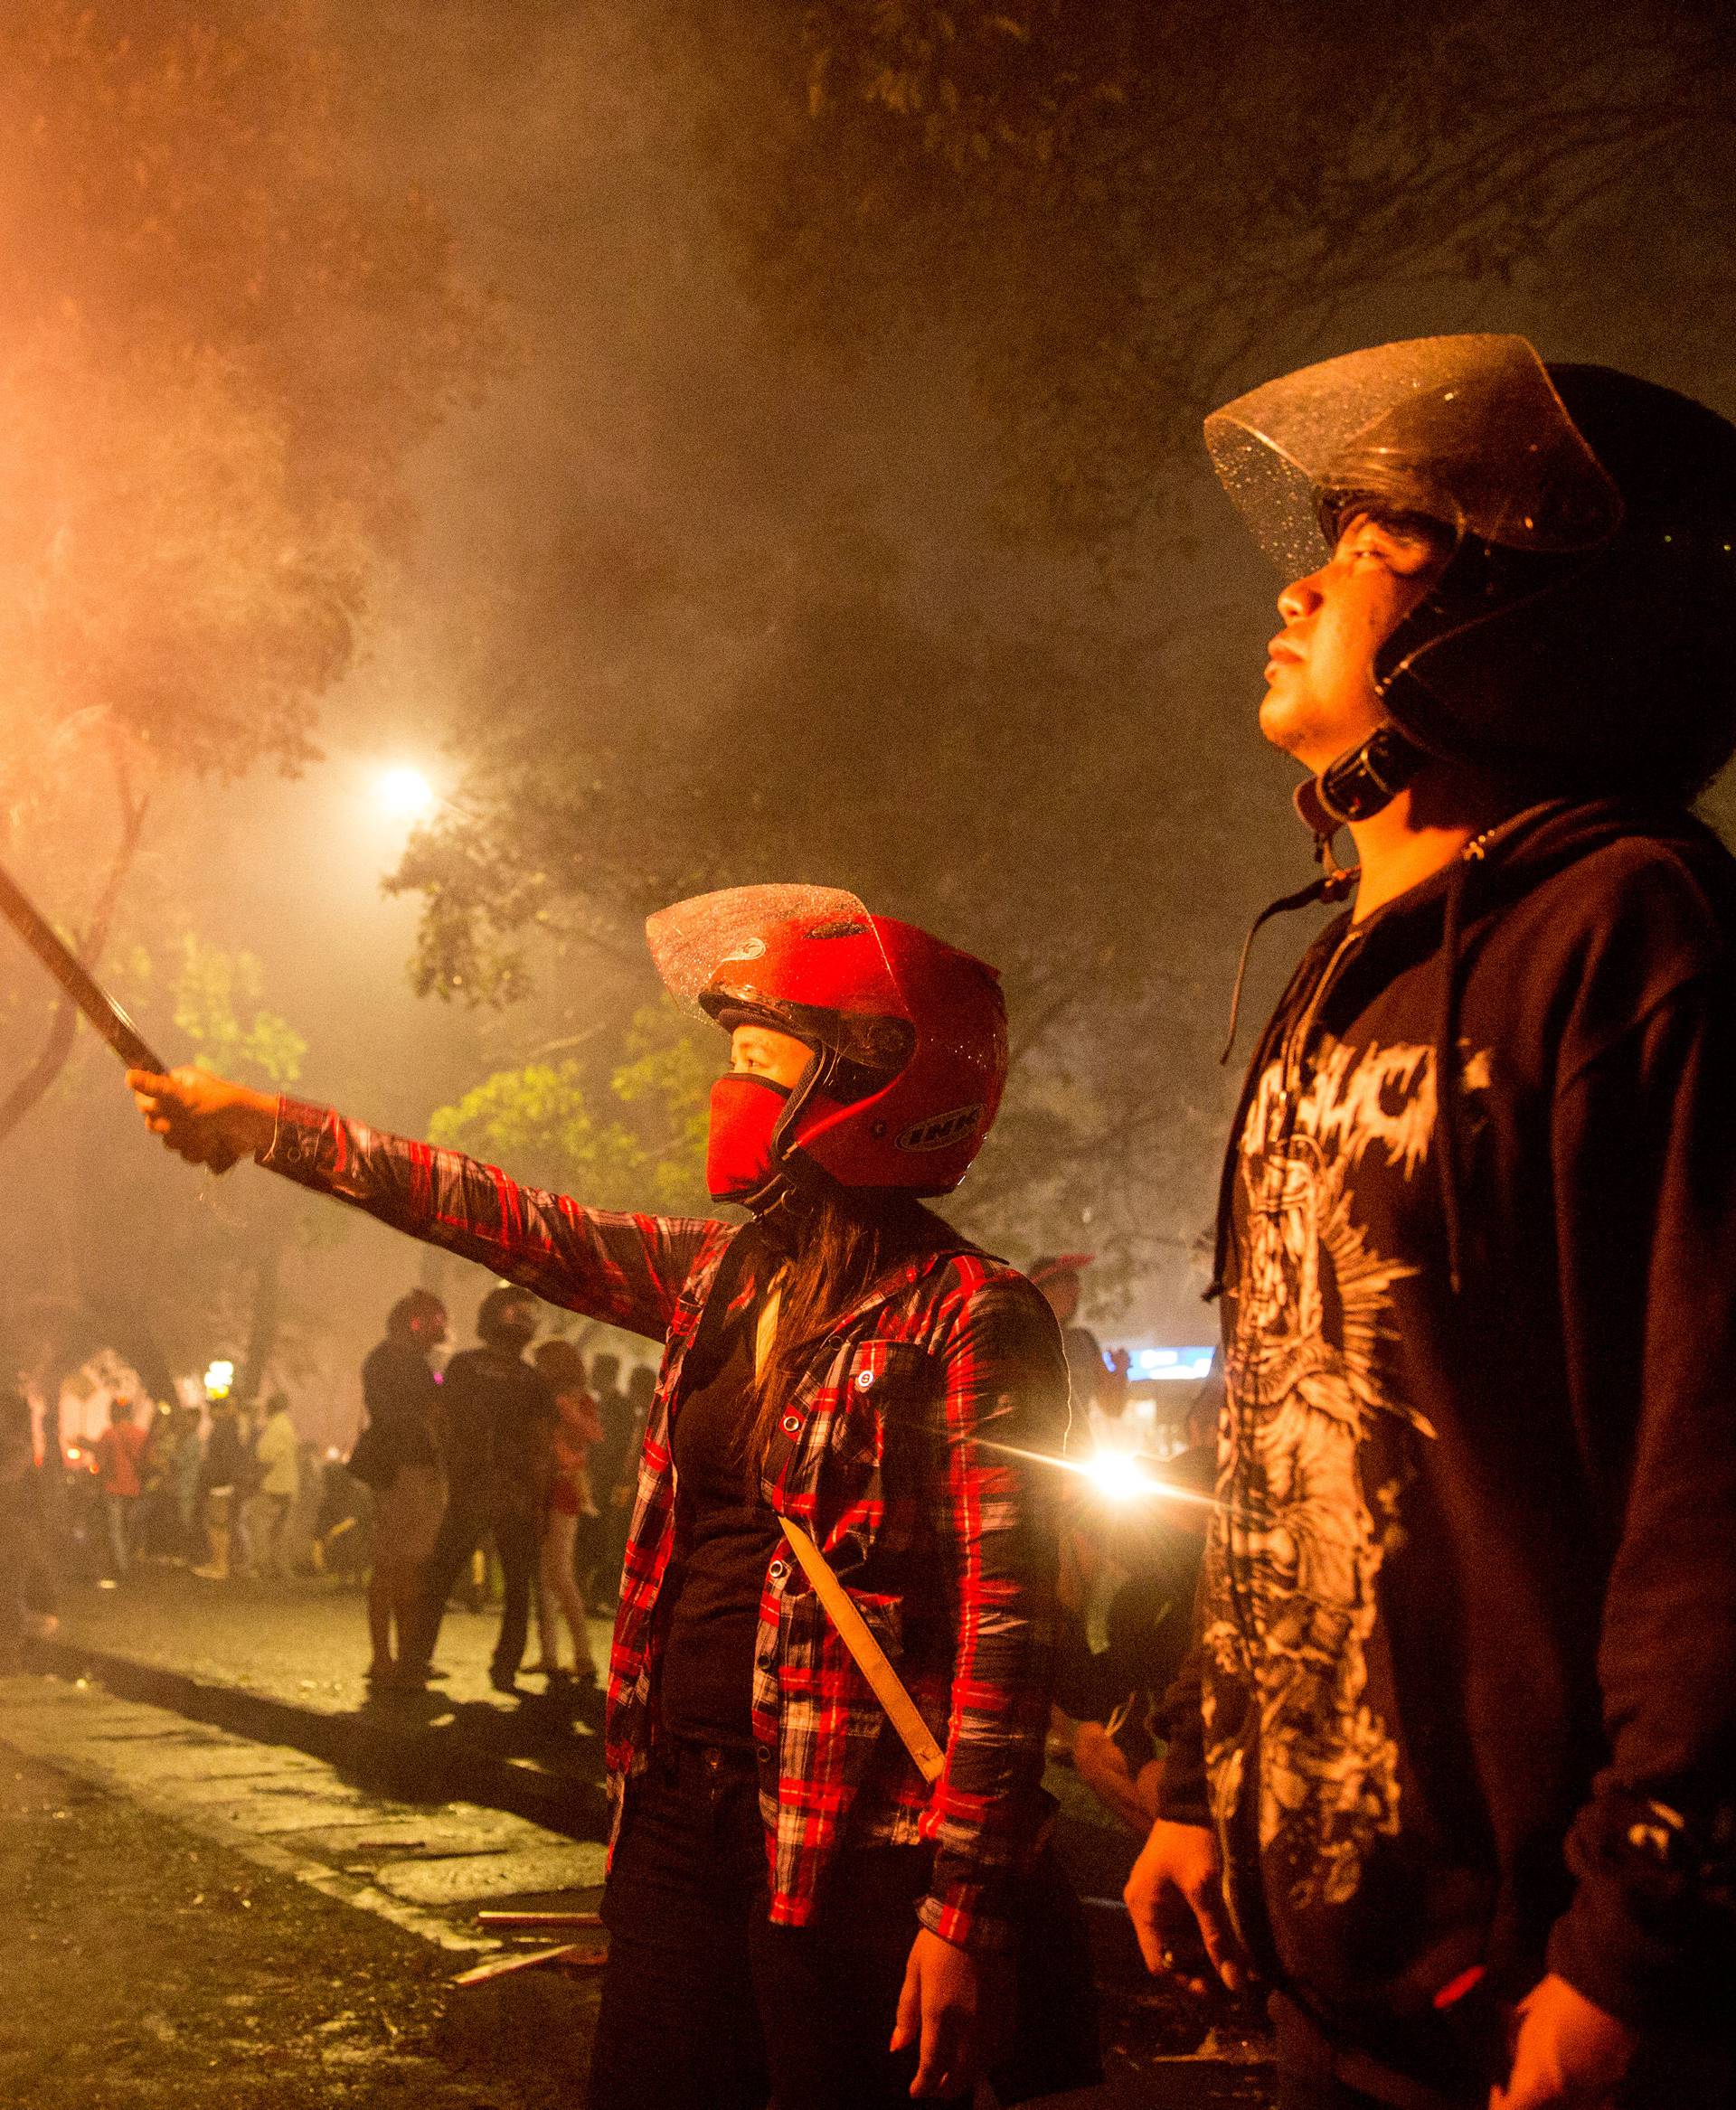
1454	1772
496	1421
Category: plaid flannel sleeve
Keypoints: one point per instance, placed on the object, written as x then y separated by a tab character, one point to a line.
624	1269
995	1518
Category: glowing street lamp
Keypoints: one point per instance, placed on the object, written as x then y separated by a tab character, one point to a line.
407	794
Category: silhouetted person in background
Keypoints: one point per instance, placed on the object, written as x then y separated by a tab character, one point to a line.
277	1455
23	1579
570	1529
120	1456
1099	1381
497	1418
397	1456
186	1460
225	1480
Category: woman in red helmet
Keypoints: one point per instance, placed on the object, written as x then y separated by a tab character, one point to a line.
795	1912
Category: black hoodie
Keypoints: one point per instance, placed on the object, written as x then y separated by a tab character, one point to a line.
1469	1607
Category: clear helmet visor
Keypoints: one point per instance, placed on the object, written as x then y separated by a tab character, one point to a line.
810	957
1466	430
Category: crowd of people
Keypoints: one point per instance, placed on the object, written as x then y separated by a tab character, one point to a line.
497	1468
529	1458
215	1490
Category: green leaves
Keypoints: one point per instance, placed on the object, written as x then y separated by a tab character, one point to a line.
625	1130
216	996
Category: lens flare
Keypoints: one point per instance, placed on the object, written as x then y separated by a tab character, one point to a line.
1118	1478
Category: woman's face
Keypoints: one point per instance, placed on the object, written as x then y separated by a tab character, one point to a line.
760	1052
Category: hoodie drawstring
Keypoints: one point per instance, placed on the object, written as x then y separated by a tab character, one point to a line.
1446	1070
1447	1111
1333	885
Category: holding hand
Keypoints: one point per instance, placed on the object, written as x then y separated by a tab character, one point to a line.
1178	1872
205	1119
1568	2054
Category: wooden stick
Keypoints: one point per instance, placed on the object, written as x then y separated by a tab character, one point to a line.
498	1966
539	1918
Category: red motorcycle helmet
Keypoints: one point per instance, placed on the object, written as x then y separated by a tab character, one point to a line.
909	1034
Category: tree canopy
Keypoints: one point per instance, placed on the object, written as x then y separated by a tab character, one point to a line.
221	348
1116	211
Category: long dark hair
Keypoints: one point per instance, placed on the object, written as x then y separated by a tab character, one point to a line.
839	1242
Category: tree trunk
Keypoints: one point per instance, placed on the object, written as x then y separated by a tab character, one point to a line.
267	1318
62	1029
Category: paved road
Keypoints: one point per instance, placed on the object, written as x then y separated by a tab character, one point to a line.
196	1920
285	1661
272	1676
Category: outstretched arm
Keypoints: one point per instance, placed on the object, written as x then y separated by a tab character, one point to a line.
627	1270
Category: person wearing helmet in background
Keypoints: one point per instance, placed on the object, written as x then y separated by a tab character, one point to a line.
1098	1378
1455	1772
792	1909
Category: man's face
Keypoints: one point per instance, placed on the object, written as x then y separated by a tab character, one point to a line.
429	1327
1320	699
515	1326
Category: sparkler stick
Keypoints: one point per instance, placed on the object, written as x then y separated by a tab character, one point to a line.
73	977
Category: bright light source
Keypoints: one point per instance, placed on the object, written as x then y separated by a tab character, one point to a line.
1118	1478
219	1378
408	794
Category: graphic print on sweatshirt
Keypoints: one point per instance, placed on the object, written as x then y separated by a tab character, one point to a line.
1309	1502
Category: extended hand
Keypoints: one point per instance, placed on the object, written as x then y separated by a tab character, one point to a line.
954	2007
205	1119
1178	1871
1567	2052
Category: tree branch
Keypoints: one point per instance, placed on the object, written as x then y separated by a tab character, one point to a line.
62	1029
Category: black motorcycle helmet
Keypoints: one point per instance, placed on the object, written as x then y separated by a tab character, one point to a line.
1579	635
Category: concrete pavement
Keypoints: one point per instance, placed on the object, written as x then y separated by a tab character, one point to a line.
283	1661
276	1668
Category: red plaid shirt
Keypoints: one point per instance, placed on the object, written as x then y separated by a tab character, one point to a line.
898	1449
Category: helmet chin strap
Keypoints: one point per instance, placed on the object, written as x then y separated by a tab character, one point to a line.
1359	783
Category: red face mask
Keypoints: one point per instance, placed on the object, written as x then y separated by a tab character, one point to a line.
745	1111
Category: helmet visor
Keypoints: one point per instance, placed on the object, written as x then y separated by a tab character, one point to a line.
1467	431
736	954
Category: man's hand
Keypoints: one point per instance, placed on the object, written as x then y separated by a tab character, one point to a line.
205	1119
1177	1871
954	2007
1567	2052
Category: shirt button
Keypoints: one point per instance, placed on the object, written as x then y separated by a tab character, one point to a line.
791	1425
864	1378
779	1571
764	1753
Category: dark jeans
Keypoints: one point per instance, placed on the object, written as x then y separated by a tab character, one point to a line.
461	1531
705	2001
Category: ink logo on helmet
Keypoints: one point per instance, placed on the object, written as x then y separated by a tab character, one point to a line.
941	1131
749	948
